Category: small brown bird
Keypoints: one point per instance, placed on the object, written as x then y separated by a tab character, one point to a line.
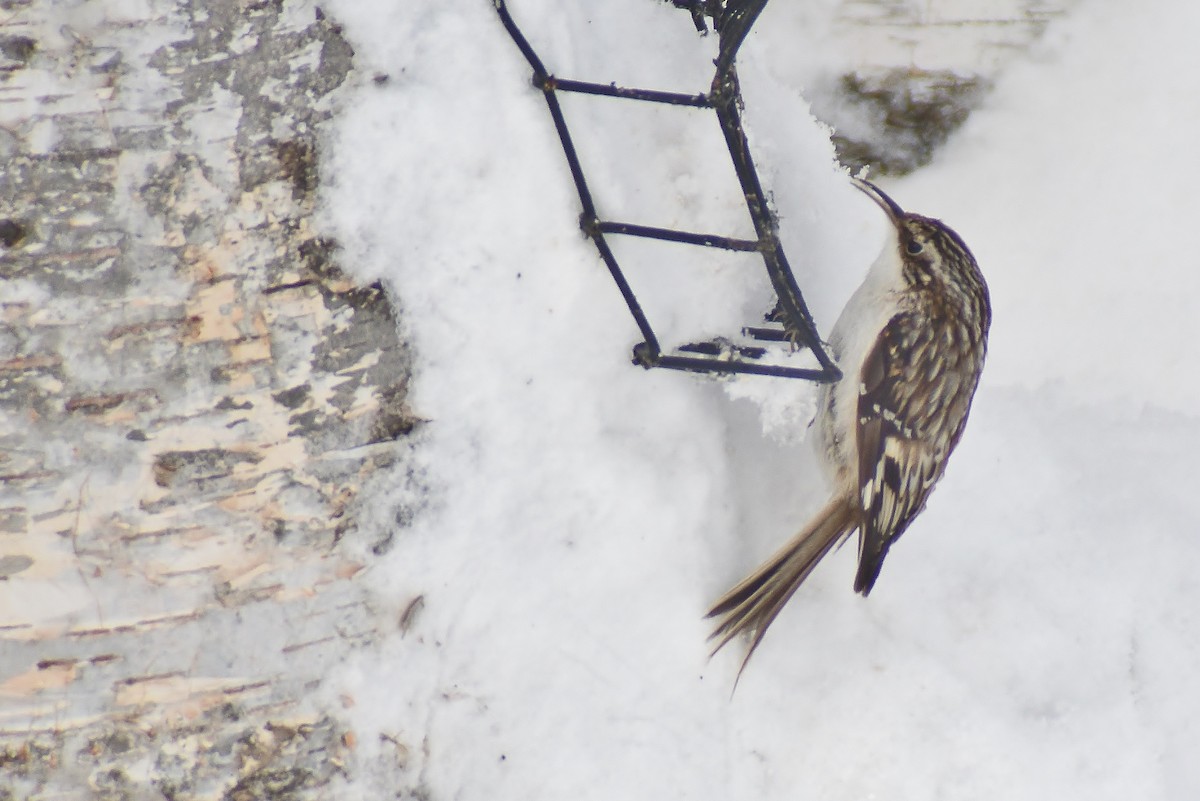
911	342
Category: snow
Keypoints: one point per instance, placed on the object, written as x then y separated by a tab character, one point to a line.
1033	636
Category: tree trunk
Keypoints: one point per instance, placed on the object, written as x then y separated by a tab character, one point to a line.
193	397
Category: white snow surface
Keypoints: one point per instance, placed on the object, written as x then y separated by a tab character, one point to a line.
1036	633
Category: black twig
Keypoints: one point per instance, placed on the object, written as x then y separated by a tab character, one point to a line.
671	235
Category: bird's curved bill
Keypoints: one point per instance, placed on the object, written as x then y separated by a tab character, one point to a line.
891	207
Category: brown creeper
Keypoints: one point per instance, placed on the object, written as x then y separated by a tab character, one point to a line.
911	342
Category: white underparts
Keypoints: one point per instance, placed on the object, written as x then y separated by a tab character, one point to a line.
854	334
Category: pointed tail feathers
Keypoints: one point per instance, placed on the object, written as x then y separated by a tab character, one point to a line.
753	604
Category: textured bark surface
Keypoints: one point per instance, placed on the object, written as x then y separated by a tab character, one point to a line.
191	398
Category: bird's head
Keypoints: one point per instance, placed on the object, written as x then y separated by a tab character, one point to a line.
929	250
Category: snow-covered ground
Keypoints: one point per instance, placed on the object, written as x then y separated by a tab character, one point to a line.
1035	635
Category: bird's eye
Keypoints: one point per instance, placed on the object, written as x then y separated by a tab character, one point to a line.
914	247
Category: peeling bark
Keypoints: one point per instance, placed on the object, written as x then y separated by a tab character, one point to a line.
192	397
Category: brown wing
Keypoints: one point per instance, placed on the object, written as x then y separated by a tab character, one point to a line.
915	391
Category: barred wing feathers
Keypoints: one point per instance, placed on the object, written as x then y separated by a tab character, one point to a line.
915	391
